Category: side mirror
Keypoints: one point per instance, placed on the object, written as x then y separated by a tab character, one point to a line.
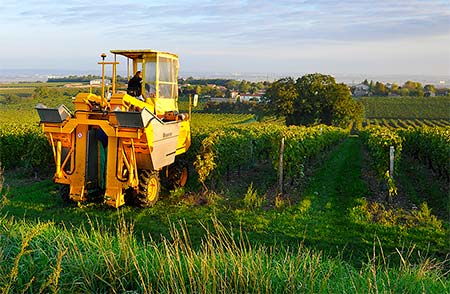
195	100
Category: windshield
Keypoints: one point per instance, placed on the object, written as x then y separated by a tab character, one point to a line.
168	77
150	79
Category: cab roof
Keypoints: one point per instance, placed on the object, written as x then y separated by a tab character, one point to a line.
138	53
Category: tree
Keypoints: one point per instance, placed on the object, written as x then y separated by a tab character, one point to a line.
343	108
244	87
280	97
189	89
312	99
404	92
316	92
415	88
395	88
430	88
411	85
379	89
419	92
41	93
216	92
11	98
371	85
232	85
259	85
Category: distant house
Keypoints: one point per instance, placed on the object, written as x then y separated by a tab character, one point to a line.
221	99
222	88
234	95
429	94
257	97
361	90
242	97
250	97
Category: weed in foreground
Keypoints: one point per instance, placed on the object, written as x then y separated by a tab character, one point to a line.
252	199
55	259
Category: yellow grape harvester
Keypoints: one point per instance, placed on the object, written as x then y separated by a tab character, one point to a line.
116	145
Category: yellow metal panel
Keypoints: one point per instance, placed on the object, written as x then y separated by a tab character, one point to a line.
157	84
164	105
77	191
113	194
184	138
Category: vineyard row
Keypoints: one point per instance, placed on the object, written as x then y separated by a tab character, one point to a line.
428	145
215	152
405	123
234	148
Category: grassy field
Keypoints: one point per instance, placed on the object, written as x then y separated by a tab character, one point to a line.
31	85
331	232
322	237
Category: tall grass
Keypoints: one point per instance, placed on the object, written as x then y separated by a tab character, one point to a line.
3	199
50	258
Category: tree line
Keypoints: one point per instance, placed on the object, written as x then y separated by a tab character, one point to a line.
225	87
409	88
219	87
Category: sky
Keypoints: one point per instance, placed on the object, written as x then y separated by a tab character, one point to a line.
348	37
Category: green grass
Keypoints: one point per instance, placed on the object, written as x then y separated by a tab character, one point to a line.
46	258
315	245
323	216
421	185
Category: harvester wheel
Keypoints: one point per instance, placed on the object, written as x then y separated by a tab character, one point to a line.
149	187
178	174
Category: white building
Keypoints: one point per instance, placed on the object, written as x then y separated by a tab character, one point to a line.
361	90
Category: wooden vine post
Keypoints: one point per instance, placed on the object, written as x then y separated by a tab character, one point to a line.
280	169
391	161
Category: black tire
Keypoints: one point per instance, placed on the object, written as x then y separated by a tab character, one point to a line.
130	196
177	174
149	188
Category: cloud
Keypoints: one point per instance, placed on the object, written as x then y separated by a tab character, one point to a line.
246	20
232	29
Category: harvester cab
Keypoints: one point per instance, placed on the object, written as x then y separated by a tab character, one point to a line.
117	145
